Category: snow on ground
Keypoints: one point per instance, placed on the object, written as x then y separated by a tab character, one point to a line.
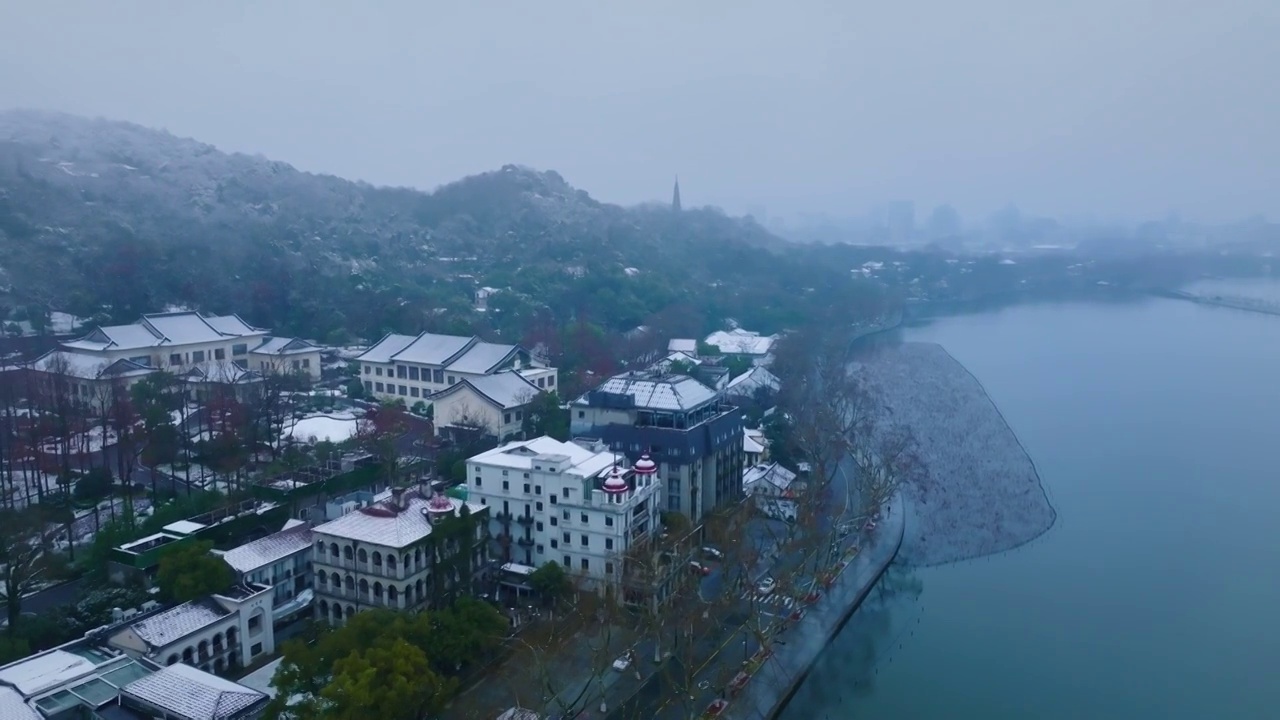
26	486
978	492
335	427
91	441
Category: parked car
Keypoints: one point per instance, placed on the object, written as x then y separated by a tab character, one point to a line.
699	568
766	585
712	553
624	661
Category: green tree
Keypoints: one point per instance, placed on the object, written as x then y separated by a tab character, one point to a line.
466	632
94	485
544	416
550	581
389	681
355	389
191	571
24	544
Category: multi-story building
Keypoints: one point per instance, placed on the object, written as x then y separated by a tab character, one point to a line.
685	426
215	348
744	344
410	551
493	404
576	503
415	367
281	560
221	632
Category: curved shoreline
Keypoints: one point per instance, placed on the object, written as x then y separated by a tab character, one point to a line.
977	491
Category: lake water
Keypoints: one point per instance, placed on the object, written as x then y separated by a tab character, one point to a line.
1156	429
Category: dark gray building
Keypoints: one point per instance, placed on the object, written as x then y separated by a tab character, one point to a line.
684	426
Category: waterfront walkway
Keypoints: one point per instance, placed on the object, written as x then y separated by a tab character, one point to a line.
796	649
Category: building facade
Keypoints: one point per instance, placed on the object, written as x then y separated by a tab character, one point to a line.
683	425
415	367
494	404
576	503
409	551
281	560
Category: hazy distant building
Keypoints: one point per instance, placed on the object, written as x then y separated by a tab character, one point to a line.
675	197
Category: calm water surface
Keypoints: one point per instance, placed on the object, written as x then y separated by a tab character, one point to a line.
1156	427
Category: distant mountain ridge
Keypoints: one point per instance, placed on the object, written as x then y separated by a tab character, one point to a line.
112	219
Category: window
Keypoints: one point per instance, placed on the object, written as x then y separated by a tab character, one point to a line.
581	414
402	372
378	387
413	392
568	561
437	376
608	543
255	624
538	506
413	373
551	381
175	359
554	522
368	369
506	485
197	356
256	649
553	499
586	564
306	362
585	520
404	390
554	543
296	365
240	349
585	541
368	386
542	382
539	526
565	536
452	380
518	419
608	568
608	521
506	418
539	549
477	482
377	371
537	489
219	354
564	514
526	488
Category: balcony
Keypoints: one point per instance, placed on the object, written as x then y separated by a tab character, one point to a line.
525	519
525	541
503	516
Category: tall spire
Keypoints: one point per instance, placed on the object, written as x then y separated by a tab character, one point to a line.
675	196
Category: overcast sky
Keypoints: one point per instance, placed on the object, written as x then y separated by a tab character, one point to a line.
1124	108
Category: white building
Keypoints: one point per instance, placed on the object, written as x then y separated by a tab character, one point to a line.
755	447
773	488
177	342
576	504
494	404
85	679
283	561
415	367
743	343
387	554
748	383
218	633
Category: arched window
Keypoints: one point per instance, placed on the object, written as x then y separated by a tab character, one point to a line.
351	610
407	563
391	561
377	590
347	552
337	612
392	594
333	550
417	590
187	655
364	586
324	608
337	582
377	559
362	556
173	659
349	582
217	642
324	579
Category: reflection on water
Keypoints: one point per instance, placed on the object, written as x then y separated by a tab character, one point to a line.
848	668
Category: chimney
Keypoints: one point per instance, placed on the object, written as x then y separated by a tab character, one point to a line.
397	498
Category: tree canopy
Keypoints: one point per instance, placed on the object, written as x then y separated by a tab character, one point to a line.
191	571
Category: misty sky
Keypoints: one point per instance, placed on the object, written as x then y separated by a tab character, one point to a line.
1123	108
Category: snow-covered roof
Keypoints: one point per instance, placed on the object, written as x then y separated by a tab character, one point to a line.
38	673
187	692
178	622
284	346
382	524
741	342
664	364
232	325
688	346
752	441
164	329
221	372
505	389
13	707
182	328
87	367
262	552
656	392
771	473
260	679
750	381
482	358
524	454
424	349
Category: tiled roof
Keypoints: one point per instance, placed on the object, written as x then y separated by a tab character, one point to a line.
506	389
756	377
481	358
13	707
87	367
232	325
283	346
522	454
652	392
163	329
383	350
38	673
741	342
264	551
178	622
689	346
183	328
772	473
117	337
220	371
187	692
752	441
380	524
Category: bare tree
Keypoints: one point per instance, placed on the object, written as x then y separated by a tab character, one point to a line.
24	541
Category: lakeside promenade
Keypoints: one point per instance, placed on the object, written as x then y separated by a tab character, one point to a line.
797	648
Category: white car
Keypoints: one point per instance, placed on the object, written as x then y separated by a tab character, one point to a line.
766	585
624	661
712	553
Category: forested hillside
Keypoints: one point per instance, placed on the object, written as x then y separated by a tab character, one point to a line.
109	220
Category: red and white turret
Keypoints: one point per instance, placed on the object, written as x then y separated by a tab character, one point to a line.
616	482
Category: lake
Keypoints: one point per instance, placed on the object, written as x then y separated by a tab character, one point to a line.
1155	426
